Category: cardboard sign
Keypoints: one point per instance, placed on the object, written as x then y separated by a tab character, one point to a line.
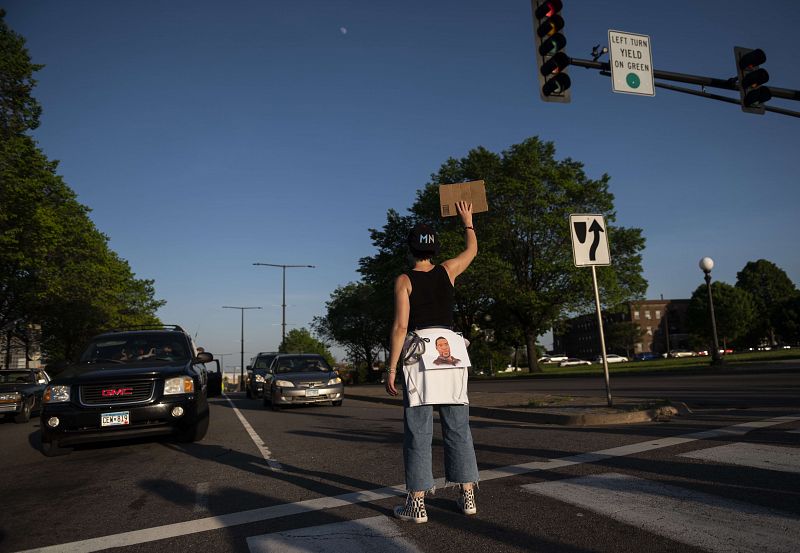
472	191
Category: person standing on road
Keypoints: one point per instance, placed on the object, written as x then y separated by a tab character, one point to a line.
424	299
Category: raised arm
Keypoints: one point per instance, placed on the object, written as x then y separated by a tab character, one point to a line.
459	264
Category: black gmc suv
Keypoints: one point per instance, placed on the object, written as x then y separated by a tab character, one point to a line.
130	383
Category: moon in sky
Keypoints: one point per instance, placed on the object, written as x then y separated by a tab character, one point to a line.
343	30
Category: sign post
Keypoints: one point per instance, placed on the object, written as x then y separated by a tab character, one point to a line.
631	62
591	252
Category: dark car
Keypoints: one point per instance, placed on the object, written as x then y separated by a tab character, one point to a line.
129	384
646	356
296	378
21	392
257	372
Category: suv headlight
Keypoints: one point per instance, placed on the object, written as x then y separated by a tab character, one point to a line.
260	378
284	384
10	397
335	380
56	394
178	385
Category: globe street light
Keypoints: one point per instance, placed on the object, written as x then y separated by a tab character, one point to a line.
241	368
706	264
283	305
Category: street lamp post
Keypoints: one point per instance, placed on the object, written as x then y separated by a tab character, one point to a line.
706	264
283	305
241	368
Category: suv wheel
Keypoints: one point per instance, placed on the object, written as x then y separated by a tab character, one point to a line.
25	414
337	403
52	449
196	431
248	393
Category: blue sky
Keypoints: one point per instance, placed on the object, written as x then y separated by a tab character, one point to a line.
207	136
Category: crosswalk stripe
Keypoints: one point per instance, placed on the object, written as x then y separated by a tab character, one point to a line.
785	459
354	536
368	496
683	515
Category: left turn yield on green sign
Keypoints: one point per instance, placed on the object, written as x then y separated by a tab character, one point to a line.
631	61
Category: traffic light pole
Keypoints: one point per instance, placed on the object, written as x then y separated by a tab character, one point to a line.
725	84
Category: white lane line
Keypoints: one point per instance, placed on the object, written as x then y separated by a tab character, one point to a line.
201	497
794	431
355	536
770	457
262	447
367	496
694	518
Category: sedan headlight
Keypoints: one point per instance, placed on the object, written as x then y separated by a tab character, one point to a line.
260	378
178	385
56	394
284	384
10	397
335	380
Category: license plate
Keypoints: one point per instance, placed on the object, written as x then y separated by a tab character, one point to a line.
312	392
120	418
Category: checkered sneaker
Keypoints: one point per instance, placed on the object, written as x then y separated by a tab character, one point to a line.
413	510
466	501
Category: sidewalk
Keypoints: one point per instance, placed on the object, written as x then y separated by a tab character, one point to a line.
542	408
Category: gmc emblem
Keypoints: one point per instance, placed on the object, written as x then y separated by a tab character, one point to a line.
113	392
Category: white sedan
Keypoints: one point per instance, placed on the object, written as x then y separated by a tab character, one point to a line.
612	358
570	361
554	358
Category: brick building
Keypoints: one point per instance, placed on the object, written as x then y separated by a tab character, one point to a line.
662	327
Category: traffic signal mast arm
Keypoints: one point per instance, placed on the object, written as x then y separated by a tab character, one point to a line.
725	84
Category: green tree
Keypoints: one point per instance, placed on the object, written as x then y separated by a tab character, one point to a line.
300	340
621	336
19	110
56	268
788	320
355	320
734	311
524	269
769	286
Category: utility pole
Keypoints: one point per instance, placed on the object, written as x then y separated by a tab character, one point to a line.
241	368
283	305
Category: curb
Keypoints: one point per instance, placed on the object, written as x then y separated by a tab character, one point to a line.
583	419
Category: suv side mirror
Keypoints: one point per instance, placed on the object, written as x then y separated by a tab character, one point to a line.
248	367
204	357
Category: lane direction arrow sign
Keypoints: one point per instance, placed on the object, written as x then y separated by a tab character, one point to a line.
589	240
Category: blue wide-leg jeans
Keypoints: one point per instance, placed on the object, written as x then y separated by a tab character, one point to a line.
460	465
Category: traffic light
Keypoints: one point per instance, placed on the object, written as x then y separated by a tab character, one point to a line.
551	60
752	78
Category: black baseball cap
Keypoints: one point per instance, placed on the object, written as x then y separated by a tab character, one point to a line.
422	238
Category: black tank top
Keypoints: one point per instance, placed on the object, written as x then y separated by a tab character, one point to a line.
431	298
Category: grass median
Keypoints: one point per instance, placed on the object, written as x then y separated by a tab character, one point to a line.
658	365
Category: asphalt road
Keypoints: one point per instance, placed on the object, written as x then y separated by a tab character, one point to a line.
318	479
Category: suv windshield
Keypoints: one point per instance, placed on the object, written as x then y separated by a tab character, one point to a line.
133	348
290	364
16	377
263	361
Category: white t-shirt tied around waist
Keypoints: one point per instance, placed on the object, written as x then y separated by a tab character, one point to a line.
433	379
